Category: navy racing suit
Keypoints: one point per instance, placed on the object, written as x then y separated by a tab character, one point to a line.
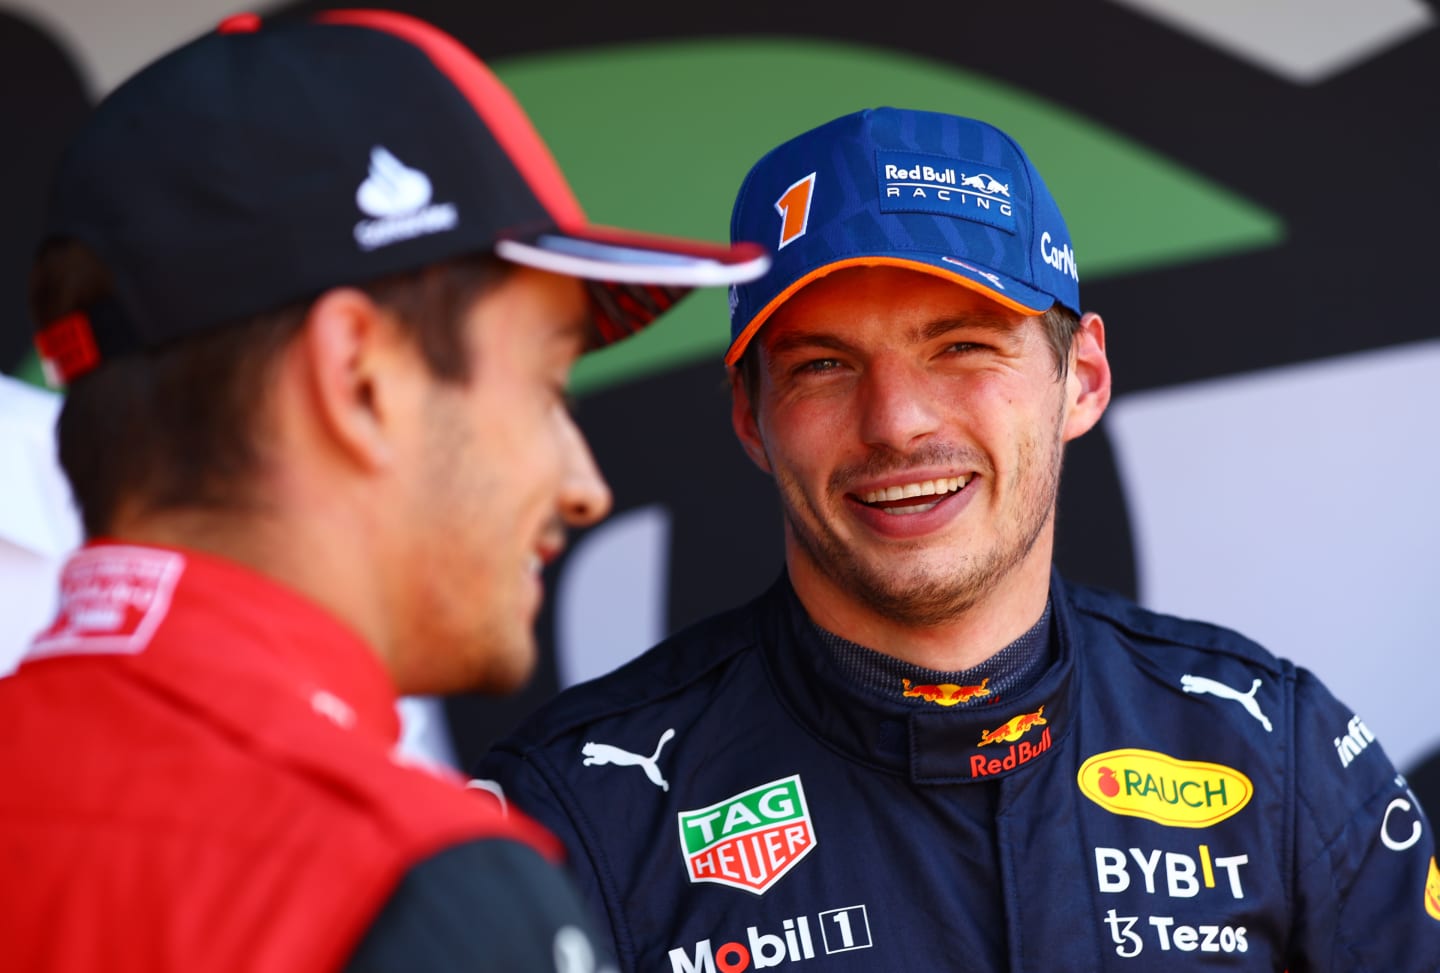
1167	796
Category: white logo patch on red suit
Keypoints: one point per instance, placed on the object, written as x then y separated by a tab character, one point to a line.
112	598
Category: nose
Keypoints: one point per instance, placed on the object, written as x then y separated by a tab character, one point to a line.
585	497
897	406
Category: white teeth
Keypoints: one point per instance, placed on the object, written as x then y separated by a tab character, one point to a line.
918	509
924	488
535	564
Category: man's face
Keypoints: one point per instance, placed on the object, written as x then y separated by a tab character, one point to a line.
915	430
500	469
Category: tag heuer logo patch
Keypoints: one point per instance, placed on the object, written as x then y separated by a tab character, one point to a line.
748	841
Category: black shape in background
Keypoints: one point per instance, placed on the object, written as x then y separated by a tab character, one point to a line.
42	102
1424	780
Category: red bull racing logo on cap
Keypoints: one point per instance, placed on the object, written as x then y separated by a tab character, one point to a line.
1161	788
912	182
751	840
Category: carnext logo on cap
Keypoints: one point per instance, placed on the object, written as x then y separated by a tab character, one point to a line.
914	183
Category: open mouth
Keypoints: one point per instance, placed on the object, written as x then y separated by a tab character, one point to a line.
913	498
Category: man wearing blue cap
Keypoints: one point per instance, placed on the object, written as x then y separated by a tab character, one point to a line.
922	748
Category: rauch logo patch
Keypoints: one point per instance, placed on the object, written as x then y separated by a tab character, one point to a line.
1164	789
751	840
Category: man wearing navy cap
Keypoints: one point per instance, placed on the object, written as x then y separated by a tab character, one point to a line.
922	748
316	288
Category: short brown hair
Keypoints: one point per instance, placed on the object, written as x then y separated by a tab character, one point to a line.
1060	324
177	426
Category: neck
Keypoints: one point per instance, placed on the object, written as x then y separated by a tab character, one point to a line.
996	619
299	552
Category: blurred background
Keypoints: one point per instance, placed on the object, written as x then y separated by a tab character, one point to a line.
1252	189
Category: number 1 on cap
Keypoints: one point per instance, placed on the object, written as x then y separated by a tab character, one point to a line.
794	209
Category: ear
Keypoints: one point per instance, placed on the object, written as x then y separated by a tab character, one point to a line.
354	359
742	418
1087	386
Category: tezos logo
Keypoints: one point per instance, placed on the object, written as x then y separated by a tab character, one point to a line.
1062	258
398	197
1160	788
841	930
748	841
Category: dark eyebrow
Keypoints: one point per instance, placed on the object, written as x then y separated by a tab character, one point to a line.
795	340
976	322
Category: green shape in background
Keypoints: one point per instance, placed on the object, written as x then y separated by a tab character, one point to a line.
658	137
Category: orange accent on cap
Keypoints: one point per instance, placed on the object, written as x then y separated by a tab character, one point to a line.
239	24
737	347
492	101
67	348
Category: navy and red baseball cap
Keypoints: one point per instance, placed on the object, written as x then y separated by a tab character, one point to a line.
265	163
940	194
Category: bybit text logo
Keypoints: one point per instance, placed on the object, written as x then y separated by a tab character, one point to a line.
1184	875
398	197
1163	789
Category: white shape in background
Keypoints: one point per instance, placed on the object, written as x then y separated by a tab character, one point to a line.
39	525
424	731
610	600
112	39
1297	505
1302	41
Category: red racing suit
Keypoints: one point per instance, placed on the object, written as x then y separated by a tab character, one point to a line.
199	774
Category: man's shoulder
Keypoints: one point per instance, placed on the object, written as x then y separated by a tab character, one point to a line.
1147	631
667	675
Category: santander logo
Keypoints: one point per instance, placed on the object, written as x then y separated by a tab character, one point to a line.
398	198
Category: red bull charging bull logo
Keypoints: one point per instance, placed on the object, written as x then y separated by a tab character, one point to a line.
1013	728
1161	788
751	840
946	693
1023	751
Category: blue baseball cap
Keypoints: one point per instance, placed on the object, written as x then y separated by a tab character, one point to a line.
940	194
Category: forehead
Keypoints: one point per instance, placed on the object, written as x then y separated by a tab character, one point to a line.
899	302
537	310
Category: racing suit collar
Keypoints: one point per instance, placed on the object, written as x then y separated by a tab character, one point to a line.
220	634
938	745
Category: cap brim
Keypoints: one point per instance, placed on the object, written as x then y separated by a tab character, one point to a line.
1000	288
633	278
622	256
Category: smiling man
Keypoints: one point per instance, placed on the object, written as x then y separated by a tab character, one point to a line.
922	748
316	288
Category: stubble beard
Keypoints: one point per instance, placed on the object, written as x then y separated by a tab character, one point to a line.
921	597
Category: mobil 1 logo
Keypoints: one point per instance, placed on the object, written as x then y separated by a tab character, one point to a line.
800	938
